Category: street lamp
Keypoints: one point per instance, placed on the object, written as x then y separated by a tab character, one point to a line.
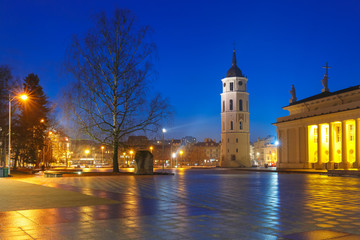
173	158
151	148
23	97
102	154
163	147
131	153
181	153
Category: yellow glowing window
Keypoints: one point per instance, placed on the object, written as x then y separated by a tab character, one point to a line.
326	134
351	132
338	134
315	135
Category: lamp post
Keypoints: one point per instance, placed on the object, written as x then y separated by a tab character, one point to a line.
181	153
23	97
102	154
131	156
163	147
173	158
151	148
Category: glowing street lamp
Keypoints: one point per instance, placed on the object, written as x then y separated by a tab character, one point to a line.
131	156
23	97
181	153
173	158
163	147
151	148
102	154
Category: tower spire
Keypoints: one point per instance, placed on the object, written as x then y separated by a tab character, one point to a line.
234	58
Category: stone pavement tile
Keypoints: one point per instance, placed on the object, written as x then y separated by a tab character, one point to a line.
40	197
316	235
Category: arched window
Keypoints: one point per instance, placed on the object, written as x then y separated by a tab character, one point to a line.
240	105
223	106
231	104
231	125
241	126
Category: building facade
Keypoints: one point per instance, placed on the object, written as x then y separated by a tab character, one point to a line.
235	136
265	151
322	131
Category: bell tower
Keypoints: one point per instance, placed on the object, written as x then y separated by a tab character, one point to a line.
235	136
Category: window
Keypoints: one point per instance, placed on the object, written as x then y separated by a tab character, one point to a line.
240	105
237	140
231	104
232	157
326	134
236	150
241	126
223	106
351	133
228	140
315	135
231	125
338	134
231	86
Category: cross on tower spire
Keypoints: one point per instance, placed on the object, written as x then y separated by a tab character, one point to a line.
324	81
326	67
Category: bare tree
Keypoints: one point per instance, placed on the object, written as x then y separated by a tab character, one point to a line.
111	97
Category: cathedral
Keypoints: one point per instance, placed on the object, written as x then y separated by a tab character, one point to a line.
321	131
235	136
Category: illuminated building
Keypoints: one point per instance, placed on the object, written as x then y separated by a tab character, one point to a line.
321	131
265	150
235	136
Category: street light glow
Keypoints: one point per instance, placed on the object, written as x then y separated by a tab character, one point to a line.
164	130
87	151
24	97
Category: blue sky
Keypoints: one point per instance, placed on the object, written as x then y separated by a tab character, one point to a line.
278	43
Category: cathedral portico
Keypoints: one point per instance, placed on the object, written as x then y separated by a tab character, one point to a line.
322	131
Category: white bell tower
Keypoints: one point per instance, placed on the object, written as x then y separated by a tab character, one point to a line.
235	136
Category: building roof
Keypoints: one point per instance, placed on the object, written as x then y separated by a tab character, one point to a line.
325	94
234	71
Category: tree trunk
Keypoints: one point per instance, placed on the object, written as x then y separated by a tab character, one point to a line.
115	155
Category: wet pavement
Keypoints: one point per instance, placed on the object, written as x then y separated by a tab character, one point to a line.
192	204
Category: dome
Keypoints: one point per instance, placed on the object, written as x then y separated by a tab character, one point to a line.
234	71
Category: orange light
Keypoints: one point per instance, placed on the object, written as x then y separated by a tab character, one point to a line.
42	120
102	147
24	97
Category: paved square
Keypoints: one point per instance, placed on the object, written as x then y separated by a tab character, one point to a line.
192	204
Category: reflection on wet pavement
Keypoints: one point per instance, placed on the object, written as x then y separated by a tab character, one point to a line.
195	204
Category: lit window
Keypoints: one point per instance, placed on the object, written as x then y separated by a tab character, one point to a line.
315	135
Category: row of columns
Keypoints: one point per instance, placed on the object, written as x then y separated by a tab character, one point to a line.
320	164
